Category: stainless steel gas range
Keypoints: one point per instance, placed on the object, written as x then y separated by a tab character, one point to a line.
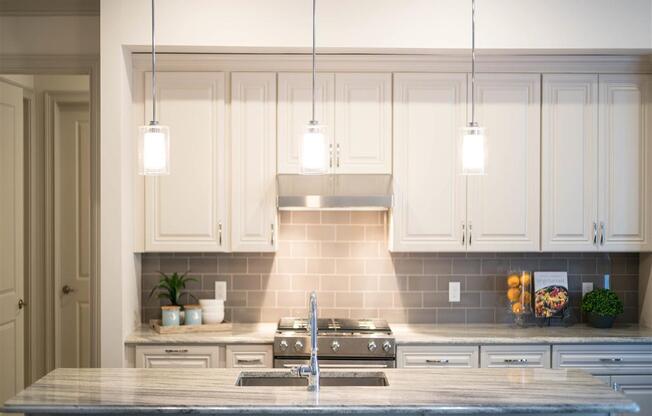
342	343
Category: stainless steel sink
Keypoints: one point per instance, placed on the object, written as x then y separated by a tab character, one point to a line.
328	379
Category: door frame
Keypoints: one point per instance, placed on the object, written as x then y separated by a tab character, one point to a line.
64	65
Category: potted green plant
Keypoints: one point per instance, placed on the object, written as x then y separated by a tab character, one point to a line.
172	288
602	306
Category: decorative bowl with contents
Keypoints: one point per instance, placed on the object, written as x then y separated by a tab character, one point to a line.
602	306
519	295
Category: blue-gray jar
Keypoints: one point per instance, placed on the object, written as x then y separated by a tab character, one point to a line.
192	315
170	315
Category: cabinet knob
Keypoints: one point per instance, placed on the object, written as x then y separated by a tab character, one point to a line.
21	304
67	289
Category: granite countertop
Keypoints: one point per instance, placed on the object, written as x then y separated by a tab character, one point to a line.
405	334
423	392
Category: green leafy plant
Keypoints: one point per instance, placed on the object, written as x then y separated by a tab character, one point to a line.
602	302
172	288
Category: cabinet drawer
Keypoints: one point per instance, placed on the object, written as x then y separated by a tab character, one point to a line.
438	356
503	356
604	359
249	356
177	356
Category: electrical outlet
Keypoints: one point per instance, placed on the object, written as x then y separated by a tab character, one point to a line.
586	288
453	291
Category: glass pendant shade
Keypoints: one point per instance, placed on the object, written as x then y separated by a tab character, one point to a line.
314	157
473	148
154	150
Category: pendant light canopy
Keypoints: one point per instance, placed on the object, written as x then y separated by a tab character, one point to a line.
313	156
473	146
154	138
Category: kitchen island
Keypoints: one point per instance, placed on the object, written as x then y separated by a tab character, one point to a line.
214	391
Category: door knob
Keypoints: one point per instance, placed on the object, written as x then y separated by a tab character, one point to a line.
67	289
21	304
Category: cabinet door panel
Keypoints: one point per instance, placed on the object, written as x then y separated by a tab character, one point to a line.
570	162
249	356
637	388
185	209
177	356
253	144
625	157
430	195
511	356
503	206
437	356
363	114
295	111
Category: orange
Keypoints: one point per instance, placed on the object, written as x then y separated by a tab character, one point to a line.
514	294
526	279
517	308
527	298
513	280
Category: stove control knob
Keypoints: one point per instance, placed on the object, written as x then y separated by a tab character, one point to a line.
372	346
283	345
335	345
387	346
298	346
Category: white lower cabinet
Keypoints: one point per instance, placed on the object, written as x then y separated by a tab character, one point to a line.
249	356
177	356
638	388
509	356
438	356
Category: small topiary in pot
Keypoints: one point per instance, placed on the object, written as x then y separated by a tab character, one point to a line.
602	306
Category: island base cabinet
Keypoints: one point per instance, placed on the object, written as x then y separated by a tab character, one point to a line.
177	356
637	388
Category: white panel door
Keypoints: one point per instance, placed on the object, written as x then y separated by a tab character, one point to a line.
186	210
72	234
569	162
430	196
503	205
253	144
295	111
637	388
625	211
11	241
363	123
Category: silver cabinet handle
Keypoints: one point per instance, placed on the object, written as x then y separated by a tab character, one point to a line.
463	234
330	157
595	233
176	351
219	233
470	233
271	239
437	361
249	360
602	233
67	289
515	360
338	155
611	360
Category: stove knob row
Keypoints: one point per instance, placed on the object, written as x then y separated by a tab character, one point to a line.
387	346
298	346
283	345
335	345
372	346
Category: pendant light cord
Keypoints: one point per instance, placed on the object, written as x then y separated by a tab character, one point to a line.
153	67
472	61
314	36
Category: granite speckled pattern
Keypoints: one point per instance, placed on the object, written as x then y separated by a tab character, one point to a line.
423	392
414	334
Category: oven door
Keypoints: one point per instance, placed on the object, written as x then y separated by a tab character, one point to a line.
330	363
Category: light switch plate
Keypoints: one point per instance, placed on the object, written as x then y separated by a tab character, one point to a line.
586	287
453	291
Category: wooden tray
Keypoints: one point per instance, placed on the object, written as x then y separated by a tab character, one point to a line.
155	324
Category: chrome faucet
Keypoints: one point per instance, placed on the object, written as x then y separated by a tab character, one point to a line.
311	370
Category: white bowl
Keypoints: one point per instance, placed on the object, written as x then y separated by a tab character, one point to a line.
213	317
211	302
212	310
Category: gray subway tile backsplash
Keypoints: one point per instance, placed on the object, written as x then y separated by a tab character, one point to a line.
343	256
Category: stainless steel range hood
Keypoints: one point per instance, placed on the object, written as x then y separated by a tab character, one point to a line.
334	192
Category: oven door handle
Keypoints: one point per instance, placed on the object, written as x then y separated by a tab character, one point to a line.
342	365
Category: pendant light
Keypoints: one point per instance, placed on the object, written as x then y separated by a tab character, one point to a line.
473	146
154	138
314	149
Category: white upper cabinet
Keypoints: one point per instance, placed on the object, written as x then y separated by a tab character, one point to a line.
295	111
363	123
186	210
569	163
625	157
253	146
430	196
503	206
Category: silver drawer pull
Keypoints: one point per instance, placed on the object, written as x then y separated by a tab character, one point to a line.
171	351
249	361
437	361
515	361
611	360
